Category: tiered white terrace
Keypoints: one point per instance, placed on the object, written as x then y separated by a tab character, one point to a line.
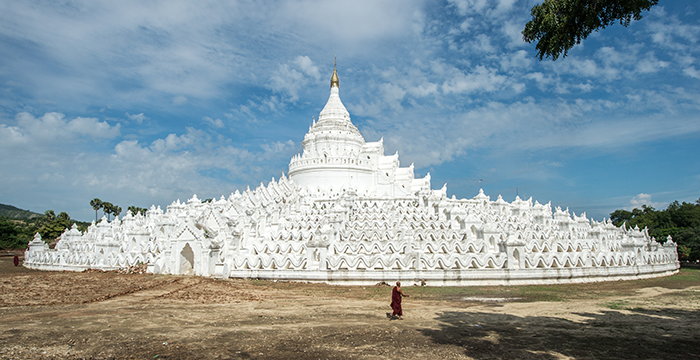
349	214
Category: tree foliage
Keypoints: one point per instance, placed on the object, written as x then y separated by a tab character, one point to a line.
679	220
137	210
54	228
14	236
17	233
50	215
63	216
96	205
107	208
558	25
116	210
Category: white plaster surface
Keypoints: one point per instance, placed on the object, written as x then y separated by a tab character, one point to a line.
350	214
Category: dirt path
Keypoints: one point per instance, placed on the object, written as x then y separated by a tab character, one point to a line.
107	315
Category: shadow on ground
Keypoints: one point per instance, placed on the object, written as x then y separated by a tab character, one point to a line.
637	334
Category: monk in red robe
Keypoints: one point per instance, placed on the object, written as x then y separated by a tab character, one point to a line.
396	296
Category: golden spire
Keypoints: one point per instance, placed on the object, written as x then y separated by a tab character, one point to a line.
334	78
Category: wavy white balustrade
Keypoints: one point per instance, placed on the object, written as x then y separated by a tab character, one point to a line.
349	214
346	239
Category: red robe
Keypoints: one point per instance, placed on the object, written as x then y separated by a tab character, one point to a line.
396	302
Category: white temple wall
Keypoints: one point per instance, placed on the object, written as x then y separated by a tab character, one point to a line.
394	227
372	238
480	277
335	177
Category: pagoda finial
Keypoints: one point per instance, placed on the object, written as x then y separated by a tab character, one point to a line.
334	78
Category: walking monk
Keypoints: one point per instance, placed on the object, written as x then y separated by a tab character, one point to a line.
396	296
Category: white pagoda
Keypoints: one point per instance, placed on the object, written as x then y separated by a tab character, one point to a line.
348	214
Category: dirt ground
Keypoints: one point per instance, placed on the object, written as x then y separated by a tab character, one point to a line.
96	315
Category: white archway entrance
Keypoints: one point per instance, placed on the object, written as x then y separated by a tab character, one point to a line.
187	260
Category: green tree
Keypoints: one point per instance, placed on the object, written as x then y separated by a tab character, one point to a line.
50	215
10	235
54	228
116	210
618	217
96	205
683	252
107	209
681	221
137	210
558	25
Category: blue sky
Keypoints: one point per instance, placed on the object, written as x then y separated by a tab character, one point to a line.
144	103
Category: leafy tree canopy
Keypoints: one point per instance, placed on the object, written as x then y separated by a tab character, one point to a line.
116	210
107	208
679	220
17	233
137	210
96	205
558	25
10	235
50	215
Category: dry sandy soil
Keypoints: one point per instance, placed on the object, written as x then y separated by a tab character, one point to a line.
97	315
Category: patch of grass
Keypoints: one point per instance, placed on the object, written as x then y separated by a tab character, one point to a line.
529	293
617	305
443	292
546	293
686	275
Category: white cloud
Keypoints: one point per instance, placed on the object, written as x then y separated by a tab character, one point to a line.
293	76
482	79
53	128
504	5
586	67
667	31
217	123
643	199
513	32
92	127
287	81
451	74
392	95
482	44
307	66
129	173
650	64
690	71
581	126
179	100
138	118
587	87
541	79
423	89
611	57
517	60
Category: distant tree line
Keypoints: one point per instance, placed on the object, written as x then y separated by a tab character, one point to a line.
17	233
137	210
680	220
107	208
110	209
